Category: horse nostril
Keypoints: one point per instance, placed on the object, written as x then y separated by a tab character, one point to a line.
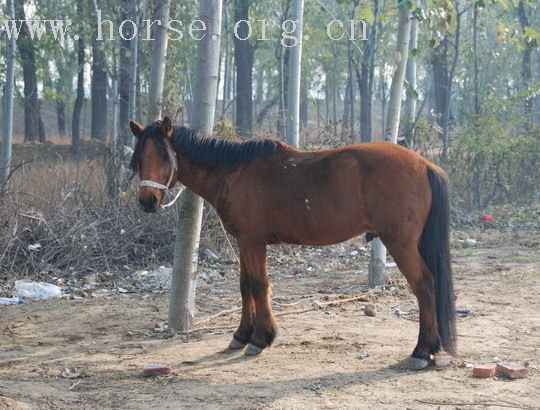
149	204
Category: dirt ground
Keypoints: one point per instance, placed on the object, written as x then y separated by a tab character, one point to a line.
88	353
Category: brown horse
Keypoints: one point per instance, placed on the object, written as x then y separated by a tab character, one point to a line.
267	192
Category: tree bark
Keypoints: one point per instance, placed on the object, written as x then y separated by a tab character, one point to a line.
410	104
295	70
123	76
396	89
244	53
159	57
364	77
99	87
184	278
7	114
526	74
475	56
28	61
79	100
60	108
227	69
377	265
133	70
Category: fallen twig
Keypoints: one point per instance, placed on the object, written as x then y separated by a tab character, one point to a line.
499	403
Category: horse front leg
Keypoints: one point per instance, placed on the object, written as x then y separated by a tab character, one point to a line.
245	329
253	254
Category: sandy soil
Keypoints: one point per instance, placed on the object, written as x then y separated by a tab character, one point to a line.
88	353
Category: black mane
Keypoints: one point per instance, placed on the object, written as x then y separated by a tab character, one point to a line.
209	151
219	152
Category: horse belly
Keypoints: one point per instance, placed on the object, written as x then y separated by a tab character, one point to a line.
318	221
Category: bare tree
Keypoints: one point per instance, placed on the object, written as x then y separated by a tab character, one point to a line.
526	73
7	115
98	88
244	53
396	89
158	60
27	51
377	265
134	57
295	69
184	280
410	103
79	100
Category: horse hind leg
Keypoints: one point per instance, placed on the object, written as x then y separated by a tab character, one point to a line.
412	266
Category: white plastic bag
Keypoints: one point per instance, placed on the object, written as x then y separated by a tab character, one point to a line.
36	290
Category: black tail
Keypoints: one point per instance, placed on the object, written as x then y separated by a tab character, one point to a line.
435	249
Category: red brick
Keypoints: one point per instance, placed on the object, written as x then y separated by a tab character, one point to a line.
485	371
156	370
512	370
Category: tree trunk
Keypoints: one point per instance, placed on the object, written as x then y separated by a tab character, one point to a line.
226	75
409	117
79	100
7	114
475	56
133	70
304	104
450	80
243	58
123	74
99	87
60	108
396	89
295	70
28	60
365	79
440	80
115	101
334	91
184	278
526	74
350	83
158	60
377	265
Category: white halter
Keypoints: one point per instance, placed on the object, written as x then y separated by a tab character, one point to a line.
167	187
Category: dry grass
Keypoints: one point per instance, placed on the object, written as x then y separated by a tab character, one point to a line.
58	218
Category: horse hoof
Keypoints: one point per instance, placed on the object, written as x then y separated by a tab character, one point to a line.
416	363
253	350
236	345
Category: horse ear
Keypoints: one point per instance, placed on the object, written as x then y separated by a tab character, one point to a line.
136	128
166	127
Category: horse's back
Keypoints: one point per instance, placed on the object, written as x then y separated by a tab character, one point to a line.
328	196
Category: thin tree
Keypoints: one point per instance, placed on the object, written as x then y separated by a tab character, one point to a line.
28	59
295	69
158	60
98	87
443	78
79	100
244	53
365	74
526	73
377	265
412	95
184	279
134	57
7	115
396	88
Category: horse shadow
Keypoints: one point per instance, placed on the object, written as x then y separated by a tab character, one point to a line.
266	390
